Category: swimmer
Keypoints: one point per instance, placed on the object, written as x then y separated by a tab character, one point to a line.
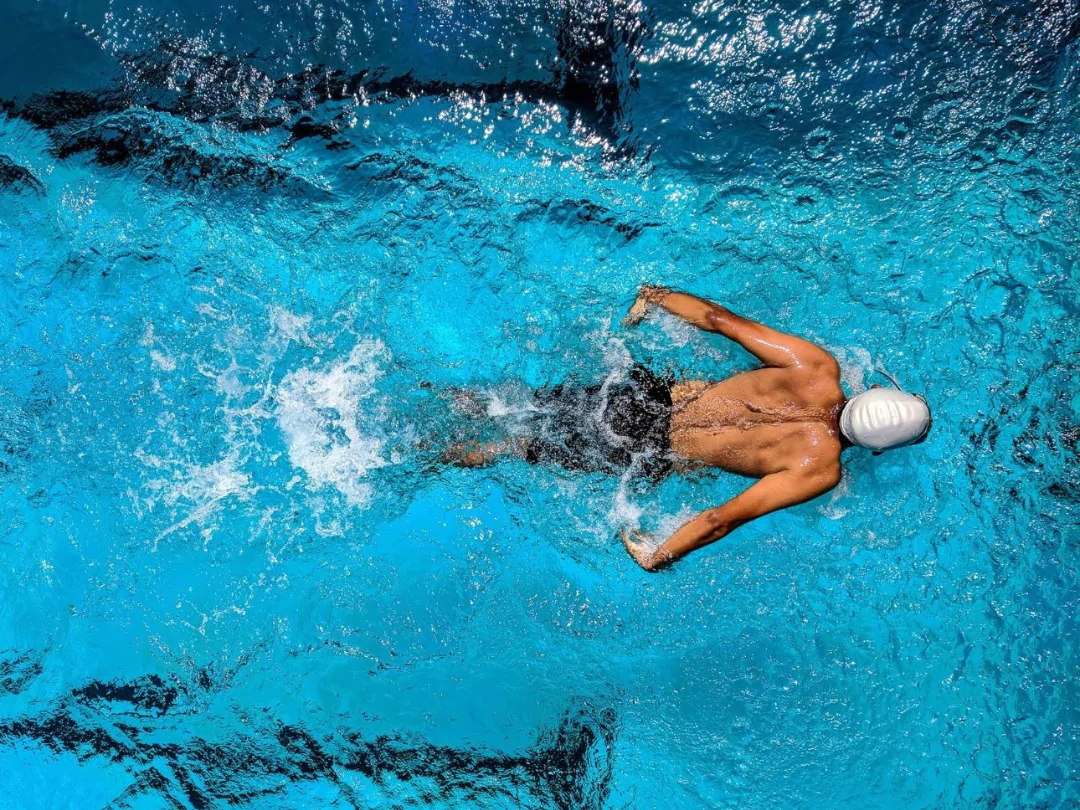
785	424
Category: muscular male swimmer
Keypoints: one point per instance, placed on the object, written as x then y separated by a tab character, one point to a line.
785	424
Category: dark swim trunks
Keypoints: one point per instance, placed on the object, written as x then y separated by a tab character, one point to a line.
610	428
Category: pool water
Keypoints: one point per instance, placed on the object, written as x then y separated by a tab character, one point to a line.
250	252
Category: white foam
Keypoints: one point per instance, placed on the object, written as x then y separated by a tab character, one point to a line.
832	510
617	358
678	332
624	513
162	360
209	483
289	327
509	402
202	486
158	357
329	419
669	524
856	364
229	381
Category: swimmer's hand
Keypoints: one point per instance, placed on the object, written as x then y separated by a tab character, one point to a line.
644	550
648	296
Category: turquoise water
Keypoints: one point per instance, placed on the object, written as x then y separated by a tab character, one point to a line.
245	251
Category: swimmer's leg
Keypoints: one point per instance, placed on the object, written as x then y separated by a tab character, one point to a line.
482	454
476	452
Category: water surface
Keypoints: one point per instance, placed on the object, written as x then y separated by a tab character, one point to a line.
245	248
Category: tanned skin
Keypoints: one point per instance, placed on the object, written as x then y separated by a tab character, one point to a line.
777	424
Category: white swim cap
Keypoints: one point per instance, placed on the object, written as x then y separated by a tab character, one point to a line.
884	418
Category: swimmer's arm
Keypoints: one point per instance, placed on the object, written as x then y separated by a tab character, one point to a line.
771	347
776	491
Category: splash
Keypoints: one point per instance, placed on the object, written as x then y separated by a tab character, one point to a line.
205	487
624	513
330	422
856	365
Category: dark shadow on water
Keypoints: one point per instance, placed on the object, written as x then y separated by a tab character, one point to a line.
568	767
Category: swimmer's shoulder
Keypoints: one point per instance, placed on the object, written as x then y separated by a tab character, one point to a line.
817	378
819	363
821	469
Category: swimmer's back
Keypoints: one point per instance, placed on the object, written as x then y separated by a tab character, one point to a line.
755	423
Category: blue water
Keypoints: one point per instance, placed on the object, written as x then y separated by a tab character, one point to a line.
245	250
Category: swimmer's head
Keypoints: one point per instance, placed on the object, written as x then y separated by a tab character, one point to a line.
885	418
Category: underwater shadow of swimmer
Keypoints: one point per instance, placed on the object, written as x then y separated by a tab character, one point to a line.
569	767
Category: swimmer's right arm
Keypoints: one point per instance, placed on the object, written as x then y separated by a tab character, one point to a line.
778	490
770	346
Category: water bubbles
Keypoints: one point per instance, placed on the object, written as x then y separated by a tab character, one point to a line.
899	131
1026	211
806	196
945	126
1013	27
774	115
818	143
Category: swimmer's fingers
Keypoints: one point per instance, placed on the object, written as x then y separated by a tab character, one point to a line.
640	308
630	540
649	295
637	545
636	314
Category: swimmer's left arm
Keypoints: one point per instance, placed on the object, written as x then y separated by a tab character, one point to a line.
771	346
776	491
